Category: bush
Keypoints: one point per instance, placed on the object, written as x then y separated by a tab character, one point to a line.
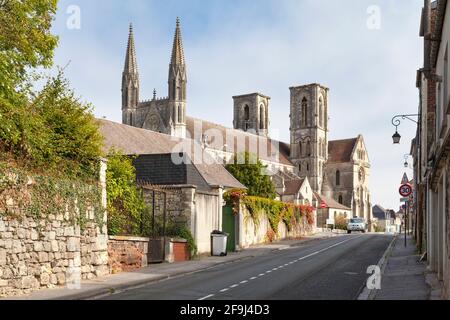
127	212
340	223
251	174
181	231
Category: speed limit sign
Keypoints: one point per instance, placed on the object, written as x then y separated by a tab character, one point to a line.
405	190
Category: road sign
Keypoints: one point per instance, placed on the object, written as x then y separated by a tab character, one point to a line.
405	190
404	199
405	179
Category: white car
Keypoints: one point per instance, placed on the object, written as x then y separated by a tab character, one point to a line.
357	224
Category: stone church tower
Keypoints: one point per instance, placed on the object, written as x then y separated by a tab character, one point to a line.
164	115
309	132
251	113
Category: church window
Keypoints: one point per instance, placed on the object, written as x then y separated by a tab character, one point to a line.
307	167
247	113
338	178
262	120
300	167
304	112
300	149
308	149
341	200
321	114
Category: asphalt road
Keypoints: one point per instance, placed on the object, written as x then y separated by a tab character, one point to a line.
330	269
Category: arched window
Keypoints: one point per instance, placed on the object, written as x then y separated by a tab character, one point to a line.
307	167
247	113
341	199
299	167
304	120
321	114
300	149
262	117
338	178
308	149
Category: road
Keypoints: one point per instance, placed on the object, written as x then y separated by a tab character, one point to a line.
329	269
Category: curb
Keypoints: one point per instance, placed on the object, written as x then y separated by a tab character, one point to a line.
367	294
107	291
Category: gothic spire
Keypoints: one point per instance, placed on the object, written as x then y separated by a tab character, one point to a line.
177	51
130	60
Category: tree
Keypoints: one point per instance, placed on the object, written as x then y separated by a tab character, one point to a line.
250	172
25	40
50	129
125	204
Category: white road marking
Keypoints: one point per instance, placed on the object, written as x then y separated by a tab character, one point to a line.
292	262
207	297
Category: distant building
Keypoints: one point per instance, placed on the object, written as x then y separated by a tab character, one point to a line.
309	163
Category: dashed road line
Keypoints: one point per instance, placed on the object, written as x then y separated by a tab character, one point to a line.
207	297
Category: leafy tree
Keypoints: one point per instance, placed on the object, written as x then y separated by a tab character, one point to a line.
250	172
25	40
50	129
125	203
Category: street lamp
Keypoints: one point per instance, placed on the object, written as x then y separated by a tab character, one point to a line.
396	123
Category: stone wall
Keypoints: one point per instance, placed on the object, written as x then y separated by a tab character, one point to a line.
127	253
249	234
44	253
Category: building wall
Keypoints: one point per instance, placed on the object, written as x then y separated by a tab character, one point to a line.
249	234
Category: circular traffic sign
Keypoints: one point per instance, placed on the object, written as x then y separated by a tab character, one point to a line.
405	190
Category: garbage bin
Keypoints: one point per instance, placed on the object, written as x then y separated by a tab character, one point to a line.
219	243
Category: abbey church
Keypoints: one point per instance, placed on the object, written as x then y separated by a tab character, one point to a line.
310	168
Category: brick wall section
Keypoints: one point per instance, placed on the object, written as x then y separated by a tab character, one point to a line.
127	253
180	251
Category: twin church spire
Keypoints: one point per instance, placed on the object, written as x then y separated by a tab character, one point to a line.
177	80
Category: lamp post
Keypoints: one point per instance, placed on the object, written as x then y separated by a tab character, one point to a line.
397	120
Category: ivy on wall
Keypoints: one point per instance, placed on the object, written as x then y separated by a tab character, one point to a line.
26	195
276	211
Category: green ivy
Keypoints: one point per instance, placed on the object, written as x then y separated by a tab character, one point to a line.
40	197
276	211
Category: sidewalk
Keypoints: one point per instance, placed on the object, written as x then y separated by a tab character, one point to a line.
153	273
404	274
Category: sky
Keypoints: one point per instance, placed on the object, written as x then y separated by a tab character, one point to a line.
366	51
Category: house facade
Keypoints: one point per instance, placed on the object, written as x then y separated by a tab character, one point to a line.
431	147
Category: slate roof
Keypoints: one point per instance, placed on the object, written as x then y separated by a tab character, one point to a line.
340	151
379	212
136	141
331	203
